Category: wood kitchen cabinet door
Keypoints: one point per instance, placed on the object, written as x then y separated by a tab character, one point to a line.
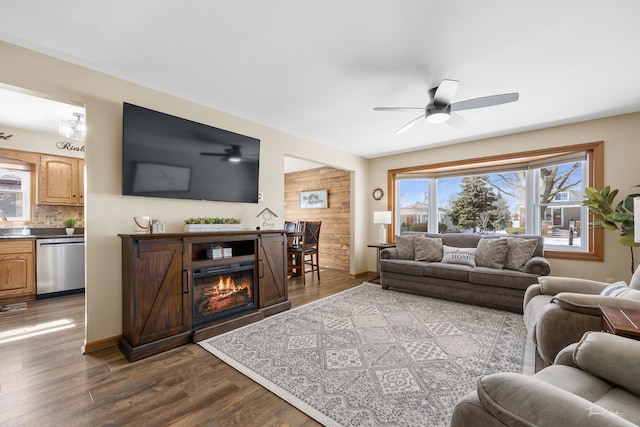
17	271
61	181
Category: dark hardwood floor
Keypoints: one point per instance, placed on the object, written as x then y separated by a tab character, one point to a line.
46	381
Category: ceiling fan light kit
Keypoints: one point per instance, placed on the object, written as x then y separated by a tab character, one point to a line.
439	108
437	115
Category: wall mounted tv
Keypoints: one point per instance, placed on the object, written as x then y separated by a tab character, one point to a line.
167	156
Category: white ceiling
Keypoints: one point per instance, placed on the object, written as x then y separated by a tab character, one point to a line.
317	68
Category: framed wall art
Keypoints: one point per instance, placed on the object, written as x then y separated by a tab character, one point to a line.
315	199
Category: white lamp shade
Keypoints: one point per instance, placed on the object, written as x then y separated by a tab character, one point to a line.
636	226
382	217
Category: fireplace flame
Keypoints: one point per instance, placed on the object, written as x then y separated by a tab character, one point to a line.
224	292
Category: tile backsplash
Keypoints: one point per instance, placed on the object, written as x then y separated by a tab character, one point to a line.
54	216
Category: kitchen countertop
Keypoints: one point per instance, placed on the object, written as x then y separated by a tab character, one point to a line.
39	233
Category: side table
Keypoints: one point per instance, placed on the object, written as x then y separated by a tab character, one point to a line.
380	248
621	321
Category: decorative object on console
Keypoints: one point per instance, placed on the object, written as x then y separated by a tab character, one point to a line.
383	218
211	224
313	199
69	224
157	226
142	224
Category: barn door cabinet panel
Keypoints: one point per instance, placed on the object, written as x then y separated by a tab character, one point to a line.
155	297
17	271
61	181
158	285
272	270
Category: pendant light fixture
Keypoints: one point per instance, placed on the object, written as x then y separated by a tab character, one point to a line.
73	129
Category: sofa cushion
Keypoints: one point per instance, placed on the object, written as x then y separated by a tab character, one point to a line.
428	248
610	357
520	400
465	256
405	246
501	278
441	270
491	253
621	290
519	252
403	266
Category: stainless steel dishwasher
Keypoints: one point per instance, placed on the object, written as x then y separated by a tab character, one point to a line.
59	266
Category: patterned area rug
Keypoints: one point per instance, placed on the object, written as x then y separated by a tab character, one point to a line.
368	357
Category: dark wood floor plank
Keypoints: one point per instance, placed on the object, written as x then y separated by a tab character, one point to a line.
45	380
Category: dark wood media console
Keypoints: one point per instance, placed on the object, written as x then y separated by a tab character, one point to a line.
158	303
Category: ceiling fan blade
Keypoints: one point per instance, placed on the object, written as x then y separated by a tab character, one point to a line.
445	92
485	101
457	121
213	154
397	108
409	125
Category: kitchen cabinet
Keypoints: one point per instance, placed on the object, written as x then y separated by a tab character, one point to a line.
158	290
17	270
61	180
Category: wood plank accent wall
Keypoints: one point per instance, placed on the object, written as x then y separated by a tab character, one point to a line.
335	237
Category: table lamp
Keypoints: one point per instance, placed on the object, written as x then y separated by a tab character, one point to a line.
383	218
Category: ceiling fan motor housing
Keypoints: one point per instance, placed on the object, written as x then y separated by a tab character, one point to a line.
437	113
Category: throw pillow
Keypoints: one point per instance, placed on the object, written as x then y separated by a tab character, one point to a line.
491	253
405	246
519	252
466	256
428	248
621	290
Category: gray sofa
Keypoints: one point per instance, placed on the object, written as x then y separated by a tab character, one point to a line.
593	383
492	270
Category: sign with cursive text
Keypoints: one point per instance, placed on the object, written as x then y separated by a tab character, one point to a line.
5	136
69	146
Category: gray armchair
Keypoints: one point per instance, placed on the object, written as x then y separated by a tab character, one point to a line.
559	310
593	383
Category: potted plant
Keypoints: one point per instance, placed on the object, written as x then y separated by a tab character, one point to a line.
618	217
201	224
69	224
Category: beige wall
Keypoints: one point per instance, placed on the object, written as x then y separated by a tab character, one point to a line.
108	213
621	170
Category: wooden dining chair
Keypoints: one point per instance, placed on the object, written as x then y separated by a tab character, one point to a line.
306	254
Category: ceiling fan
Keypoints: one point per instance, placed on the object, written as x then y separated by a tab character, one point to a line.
231	154
439	109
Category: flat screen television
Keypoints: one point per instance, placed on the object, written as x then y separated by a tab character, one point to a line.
168	156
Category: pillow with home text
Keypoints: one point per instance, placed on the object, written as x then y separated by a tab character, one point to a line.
466	256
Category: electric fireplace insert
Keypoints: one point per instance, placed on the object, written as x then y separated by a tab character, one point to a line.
221	291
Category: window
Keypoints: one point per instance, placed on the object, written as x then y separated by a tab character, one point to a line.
535	193
15	190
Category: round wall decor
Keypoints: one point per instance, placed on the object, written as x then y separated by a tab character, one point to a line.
378	193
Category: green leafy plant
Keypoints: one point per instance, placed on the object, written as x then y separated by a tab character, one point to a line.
70	222
211	220
617	217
